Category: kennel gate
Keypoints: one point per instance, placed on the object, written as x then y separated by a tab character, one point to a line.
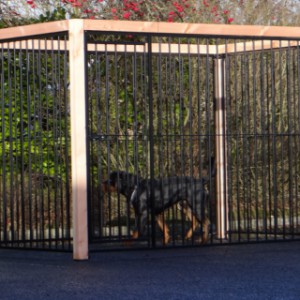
141	120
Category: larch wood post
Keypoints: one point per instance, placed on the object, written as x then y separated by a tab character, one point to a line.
220	125
78	139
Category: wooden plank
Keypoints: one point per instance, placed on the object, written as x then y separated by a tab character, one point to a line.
121	48
256	46
163	48
192	29
78	141
220	140
34	44
34	29
157	48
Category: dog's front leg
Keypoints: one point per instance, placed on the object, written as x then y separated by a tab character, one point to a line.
142	221
135	233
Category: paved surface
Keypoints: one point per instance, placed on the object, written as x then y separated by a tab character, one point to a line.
264	271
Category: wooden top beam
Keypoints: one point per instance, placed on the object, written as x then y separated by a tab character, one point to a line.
21	32
155	27
194	29
237	31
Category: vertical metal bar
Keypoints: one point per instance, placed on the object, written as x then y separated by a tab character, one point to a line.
273	212
221	205
66	150
151	140
3	183
297	130
294	153
47	127
229	105
282	136
78	139
181	126
9	220
263	125
256	128
40	147
29	99
14	221
33	128
290	130
54	108
159	122
237	187
22	207
91	188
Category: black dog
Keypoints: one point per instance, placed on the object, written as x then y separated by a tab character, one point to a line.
192	195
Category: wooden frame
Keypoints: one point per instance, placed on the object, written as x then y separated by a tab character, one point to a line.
15	38
271	34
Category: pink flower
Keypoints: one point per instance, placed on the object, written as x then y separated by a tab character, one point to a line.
214	8
178	7
205	2
76	4
230	20
126	15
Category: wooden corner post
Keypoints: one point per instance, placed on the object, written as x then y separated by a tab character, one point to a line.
78	139
220	128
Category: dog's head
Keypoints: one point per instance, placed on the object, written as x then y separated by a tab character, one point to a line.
120	182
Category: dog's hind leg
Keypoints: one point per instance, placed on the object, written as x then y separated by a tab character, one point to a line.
188	212
164	228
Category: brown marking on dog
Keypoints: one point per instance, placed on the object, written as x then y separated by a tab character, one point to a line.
164	228
135	235
187	211
205	224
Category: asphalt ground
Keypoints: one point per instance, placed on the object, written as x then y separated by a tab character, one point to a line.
253	271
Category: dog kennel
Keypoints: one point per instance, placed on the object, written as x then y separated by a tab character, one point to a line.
81	99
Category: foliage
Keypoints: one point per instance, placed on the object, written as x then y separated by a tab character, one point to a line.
32	122
145	10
